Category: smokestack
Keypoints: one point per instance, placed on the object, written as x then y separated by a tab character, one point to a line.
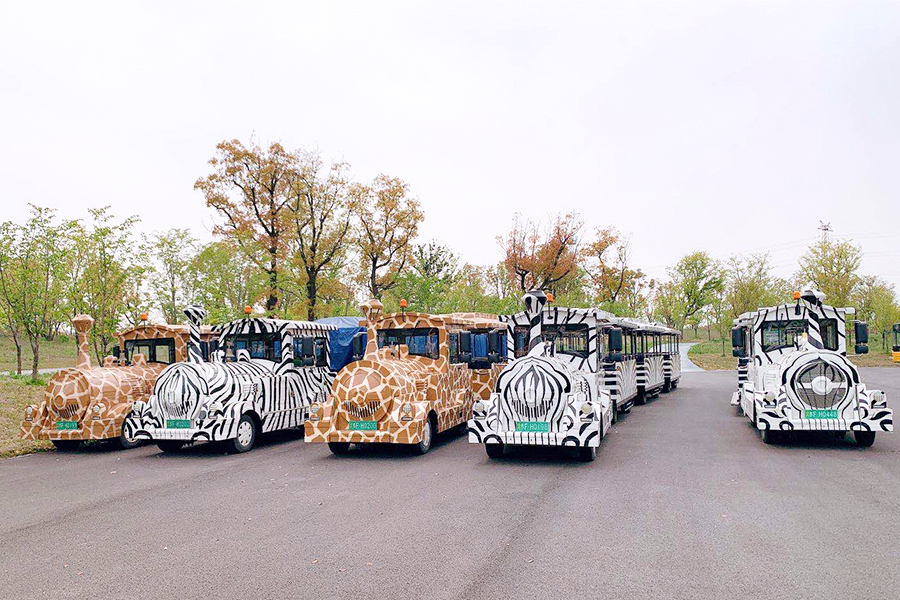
195	315
371	310
83	325
535	301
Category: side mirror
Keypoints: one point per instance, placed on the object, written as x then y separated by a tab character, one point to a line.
116	352
738	339
465	347
494	346
861	332
737	352
615	340
862	349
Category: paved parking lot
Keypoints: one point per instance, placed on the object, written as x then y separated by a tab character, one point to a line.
684	501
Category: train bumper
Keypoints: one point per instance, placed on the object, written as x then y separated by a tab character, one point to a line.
88	429
581	435
881	420
387	432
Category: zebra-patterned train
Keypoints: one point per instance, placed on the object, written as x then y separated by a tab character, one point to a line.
794	374
575	370
263	376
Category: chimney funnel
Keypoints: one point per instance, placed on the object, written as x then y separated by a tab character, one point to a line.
83	325
195	315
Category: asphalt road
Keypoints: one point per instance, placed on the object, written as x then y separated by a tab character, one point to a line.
684	501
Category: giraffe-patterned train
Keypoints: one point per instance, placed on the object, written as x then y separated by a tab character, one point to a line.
419	376
90	403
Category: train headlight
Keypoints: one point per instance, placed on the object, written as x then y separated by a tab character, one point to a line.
877	397
215	407
406	409
29	413
586	410
479	407
97	409
202	414
769	396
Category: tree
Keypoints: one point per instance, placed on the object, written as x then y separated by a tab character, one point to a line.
170	282
429	281
876	302
750	284
607	261
251	189
832	267
225	280
388	220
694	281
541	260
32	272
320	215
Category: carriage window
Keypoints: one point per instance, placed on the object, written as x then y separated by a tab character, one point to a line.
568	339
319	351
520	340
453	341
420	341
781	334
160	351
265	346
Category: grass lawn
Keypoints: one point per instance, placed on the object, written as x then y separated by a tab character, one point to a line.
15	394
61	352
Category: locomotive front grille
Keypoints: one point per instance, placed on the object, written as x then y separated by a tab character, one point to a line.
361	411
172	406
538	411
69	412
821	385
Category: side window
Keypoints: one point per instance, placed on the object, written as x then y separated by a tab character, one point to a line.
828	330
453	341
314	344
520	334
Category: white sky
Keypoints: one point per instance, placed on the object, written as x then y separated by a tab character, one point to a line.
729	127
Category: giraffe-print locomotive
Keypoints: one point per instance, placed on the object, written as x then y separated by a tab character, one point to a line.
263	377
91	402
404	393
794	373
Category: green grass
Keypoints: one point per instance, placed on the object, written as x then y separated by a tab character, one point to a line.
15	394
53	355
707	355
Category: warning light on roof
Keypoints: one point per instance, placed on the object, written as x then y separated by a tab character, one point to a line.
549	296
403	303
796	295
247	310
143	316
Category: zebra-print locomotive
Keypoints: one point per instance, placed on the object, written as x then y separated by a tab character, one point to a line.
549	396
253	385
794	373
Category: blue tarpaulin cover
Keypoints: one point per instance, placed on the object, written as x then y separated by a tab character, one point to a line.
340	340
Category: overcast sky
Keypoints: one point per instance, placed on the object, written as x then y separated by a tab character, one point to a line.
727	127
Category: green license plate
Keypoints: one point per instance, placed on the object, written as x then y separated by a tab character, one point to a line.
821	414
533	426
178	423
67	424
364	425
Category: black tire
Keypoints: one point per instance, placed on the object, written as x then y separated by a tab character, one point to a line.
864	439
495	450
124	443
170	445
769	436
427	438
66	445
615	411
587	453
667	386
640	399
339	448
245	436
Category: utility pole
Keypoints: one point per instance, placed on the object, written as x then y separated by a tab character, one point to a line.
825	228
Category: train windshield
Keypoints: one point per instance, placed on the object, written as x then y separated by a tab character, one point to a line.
568	339
265	346
421	341
155	351
781	334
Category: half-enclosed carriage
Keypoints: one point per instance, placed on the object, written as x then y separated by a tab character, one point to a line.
567	380
90	402
794	373
657	358
419	376
263	377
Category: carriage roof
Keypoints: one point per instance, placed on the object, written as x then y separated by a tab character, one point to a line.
152	331
268	325
459	320
560	313
785	311
648	326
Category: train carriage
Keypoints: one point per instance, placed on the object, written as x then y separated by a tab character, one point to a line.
658	361
90	402
263	377
794	373
567	381
418	377
895	347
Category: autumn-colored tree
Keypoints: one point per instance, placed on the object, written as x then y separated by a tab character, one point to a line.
320	218
541	259
832	267
388	220
251	189
225	280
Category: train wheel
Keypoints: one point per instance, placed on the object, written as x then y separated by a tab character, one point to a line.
339	448
246	436
769	436
495	450
587	453
170	445
864	439
125	442
427	435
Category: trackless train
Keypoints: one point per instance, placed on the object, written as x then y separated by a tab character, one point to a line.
794	374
